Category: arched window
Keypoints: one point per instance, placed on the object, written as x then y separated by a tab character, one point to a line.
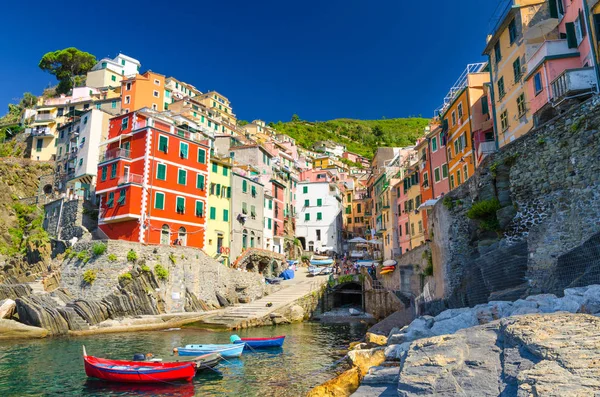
311	246
244	238
165	235
182	236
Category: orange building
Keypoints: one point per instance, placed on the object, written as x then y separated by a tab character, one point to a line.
152	181
145	90
463	113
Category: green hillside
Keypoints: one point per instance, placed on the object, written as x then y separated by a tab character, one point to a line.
359	136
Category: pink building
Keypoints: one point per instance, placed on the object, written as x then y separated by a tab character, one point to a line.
356	158
438	164
561	69
403	219
316	176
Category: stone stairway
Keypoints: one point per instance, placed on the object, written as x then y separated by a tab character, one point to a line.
233	317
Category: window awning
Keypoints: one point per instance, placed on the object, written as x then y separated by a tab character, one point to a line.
42	122
48	108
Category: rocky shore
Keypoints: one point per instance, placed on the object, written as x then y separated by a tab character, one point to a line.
541	345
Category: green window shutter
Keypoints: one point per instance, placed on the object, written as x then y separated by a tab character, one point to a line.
304	189
270	204
215	167
553	8
199	208
183	150
113	171
253	190
225	171
180	205
181	177
159	201
163	144
111	199
571	36
484	105
104	172
161	172
202	156
269	224
307	217
122	195
244	186
225	215
307	203
228	191
218	189
319	202
200	181
582	23
244	208
319	216
213	213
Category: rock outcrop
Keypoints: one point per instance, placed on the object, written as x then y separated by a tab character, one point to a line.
7	308
343	385
532	355
10	329
13	291
38	311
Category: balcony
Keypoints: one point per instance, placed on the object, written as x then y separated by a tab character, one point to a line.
115	154
43	132
550	48
486	148
131	178
573	82
45	117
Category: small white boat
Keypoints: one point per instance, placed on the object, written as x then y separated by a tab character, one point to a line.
354	312
319	270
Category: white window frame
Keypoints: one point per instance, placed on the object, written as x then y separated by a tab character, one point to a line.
184	205
128	87
466	172
187	155
447	170
127	99
453	118
437	144
163	203
154	106
166	170
439	173
157	82
578	32
156	94
186	178
460	111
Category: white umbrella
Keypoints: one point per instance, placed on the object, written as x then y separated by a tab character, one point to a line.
357	240
390	262
377	242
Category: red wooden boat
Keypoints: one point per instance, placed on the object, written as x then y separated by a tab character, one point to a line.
138	371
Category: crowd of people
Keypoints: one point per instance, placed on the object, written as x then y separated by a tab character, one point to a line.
345	266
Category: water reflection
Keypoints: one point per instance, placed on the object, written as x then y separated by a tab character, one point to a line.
55	366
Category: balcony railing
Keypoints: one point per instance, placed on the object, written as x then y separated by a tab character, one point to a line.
45	116
112	154
550	48
42	132
573	81
486	148
131	178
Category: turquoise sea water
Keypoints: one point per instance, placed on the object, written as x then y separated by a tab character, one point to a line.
54	366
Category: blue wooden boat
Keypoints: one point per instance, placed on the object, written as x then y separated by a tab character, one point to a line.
321	262
225	350
259	343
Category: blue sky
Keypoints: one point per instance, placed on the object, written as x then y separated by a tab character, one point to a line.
320	59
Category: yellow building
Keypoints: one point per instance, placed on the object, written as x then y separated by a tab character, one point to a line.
415	218
218	222
462	114
220	106
322	162
508	48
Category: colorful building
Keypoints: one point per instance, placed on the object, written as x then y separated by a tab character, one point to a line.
146	90
561	71
507	48
218	225
220	106
78	150
462	111
110	72
247	202
152	182
322	162
437	160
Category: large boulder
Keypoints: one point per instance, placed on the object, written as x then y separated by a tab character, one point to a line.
365	359
7	308
92	312
540	354
13	291
341	386
10	329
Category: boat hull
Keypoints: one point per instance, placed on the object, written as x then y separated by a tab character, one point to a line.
321	262
226	351
138	371
262	343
